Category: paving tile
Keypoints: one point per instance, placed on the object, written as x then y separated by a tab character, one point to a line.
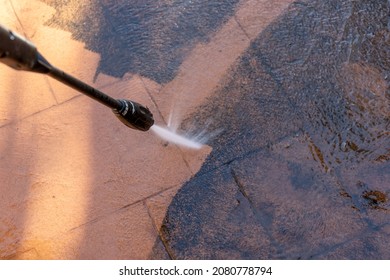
154	47
44	170
298	203
74	58
255	15
368	187
31	15
158	205
193	158
131	236
22	94
211	219
201	72
8	17
373	245
76	163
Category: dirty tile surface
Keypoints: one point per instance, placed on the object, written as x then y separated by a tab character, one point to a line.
291	96
301	142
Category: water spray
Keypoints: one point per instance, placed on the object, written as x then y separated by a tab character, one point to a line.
20	54
171	136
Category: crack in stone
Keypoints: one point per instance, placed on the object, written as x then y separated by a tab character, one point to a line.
258	215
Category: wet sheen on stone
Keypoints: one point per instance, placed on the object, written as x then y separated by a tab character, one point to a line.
147	37
305	141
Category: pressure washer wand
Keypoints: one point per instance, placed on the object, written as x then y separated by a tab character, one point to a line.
21	54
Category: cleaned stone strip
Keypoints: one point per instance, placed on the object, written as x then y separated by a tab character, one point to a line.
143	200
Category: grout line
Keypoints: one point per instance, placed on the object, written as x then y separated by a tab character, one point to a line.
51	90
26	117
241	27
18	19
120	80
40	111
257	216
152	98
166	123
121	208
167	250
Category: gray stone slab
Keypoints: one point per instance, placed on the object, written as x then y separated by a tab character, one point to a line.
218	222
296	200
248	113
304	135
368	186
373	245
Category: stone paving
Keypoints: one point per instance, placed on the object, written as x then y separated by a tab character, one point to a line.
76	183
301	168
275	183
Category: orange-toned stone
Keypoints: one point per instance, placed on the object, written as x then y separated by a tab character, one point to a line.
126	234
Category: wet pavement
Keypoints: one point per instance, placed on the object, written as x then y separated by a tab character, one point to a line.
301	169
150	38
295	94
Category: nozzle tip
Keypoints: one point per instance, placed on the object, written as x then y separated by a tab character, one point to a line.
134	115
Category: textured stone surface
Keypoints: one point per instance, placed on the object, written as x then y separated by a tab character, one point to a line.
304	114
67	165
219	217
293	99
151	38
296	202
126	234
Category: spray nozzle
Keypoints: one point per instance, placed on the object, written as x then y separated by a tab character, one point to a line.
134	115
